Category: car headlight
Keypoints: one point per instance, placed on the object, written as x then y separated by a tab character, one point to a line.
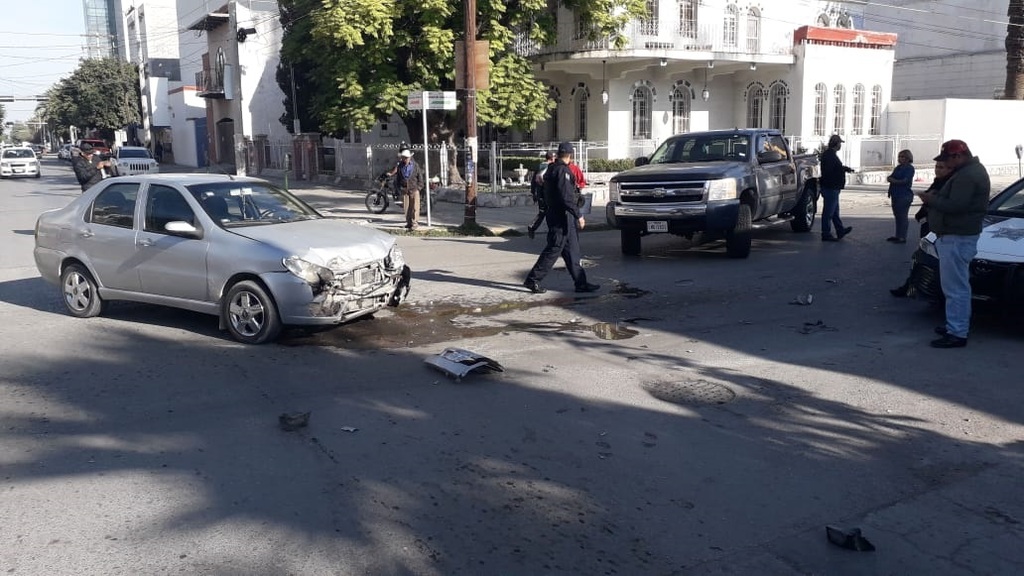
927	245
614	188
394	260
313	274
724	189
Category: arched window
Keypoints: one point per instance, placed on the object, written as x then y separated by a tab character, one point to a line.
777	97
823	20
681	103
753	30
755	105
649	23
839	94
730	33
820	107
556	96
643	103
582	99
858	109
876	110
688	18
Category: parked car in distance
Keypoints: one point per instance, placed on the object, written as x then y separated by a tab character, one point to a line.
64	152
99	146
237	248
997	270
131	160
717	182
19	161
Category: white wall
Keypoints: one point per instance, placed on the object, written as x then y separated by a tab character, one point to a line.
262	98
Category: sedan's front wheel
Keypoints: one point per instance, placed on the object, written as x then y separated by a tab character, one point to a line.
81	296
250	313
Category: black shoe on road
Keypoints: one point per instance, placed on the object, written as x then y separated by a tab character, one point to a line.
949	341
588	287
829	239
534	287
530	233
844	232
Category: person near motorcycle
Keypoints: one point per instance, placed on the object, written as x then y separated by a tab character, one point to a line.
409	182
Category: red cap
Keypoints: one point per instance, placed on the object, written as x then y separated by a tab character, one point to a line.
953	148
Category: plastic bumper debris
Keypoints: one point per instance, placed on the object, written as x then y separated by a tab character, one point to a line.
457	362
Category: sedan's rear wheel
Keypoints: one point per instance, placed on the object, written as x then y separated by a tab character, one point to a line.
250	313
81	296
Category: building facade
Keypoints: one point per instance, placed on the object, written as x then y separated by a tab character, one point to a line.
948	49
801	66
103	31
235	77
151	38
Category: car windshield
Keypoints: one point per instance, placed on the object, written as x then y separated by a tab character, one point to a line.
138	153
1011	204
703	148
18	153
235	204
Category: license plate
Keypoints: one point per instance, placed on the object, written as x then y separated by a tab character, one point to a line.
657	226
19	170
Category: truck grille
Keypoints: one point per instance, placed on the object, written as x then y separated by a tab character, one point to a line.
132	168
661	192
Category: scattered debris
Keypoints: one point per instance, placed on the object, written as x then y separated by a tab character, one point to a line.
609	331
819	326
292	421
349	429
457	362
803	300
832	281
850	539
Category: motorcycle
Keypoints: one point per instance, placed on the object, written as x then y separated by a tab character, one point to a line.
379	199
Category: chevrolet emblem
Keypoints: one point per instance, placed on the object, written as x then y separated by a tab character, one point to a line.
659	192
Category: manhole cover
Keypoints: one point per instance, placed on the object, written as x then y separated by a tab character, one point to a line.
690	392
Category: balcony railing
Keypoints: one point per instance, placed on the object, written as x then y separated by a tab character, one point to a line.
661	36
210	83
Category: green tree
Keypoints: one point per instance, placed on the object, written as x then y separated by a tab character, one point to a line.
101	94
3	116
1014	89
355	61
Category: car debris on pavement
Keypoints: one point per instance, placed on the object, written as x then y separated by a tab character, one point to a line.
457	362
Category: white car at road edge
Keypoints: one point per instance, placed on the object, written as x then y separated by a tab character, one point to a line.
132	160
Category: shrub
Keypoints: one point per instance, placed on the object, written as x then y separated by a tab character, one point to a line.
602	165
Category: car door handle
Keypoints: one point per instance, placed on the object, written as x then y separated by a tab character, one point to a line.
86	233
145	242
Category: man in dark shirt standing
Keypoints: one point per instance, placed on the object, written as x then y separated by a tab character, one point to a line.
956	213
88	169
833	180
564	222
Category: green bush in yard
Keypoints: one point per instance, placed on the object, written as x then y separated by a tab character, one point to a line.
602	165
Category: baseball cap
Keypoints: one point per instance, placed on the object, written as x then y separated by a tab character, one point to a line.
85	147
953	148
835	139
405	154
565	148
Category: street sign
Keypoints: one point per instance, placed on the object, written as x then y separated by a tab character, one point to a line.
432	100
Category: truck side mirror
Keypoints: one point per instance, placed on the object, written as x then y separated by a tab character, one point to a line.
769	156
642	161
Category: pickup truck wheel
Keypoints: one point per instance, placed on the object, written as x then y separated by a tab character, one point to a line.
805	210
737	240
630	242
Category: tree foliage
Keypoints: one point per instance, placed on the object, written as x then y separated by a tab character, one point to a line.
357	60
3	116
101	94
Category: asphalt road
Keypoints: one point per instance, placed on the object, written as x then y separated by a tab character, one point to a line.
686	419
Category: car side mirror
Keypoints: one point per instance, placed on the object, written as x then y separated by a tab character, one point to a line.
642	161
769	156
183	229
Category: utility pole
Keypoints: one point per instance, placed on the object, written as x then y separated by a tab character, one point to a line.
469	219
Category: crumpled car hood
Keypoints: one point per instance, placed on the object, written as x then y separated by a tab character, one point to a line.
1002	241
324	240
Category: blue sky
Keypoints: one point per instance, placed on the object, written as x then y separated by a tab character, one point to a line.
40	42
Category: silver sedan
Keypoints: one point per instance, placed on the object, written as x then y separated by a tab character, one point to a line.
237	248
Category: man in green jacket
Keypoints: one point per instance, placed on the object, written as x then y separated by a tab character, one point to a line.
955	214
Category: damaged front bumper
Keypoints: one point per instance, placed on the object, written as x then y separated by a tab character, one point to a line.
350	296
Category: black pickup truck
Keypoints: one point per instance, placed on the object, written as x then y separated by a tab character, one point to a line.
718	182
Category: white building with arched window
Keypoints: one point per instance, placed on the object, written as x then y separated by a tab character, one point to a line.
799	66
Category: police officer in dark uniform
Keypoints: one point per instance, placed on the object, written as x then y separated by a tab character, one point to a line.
564	222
